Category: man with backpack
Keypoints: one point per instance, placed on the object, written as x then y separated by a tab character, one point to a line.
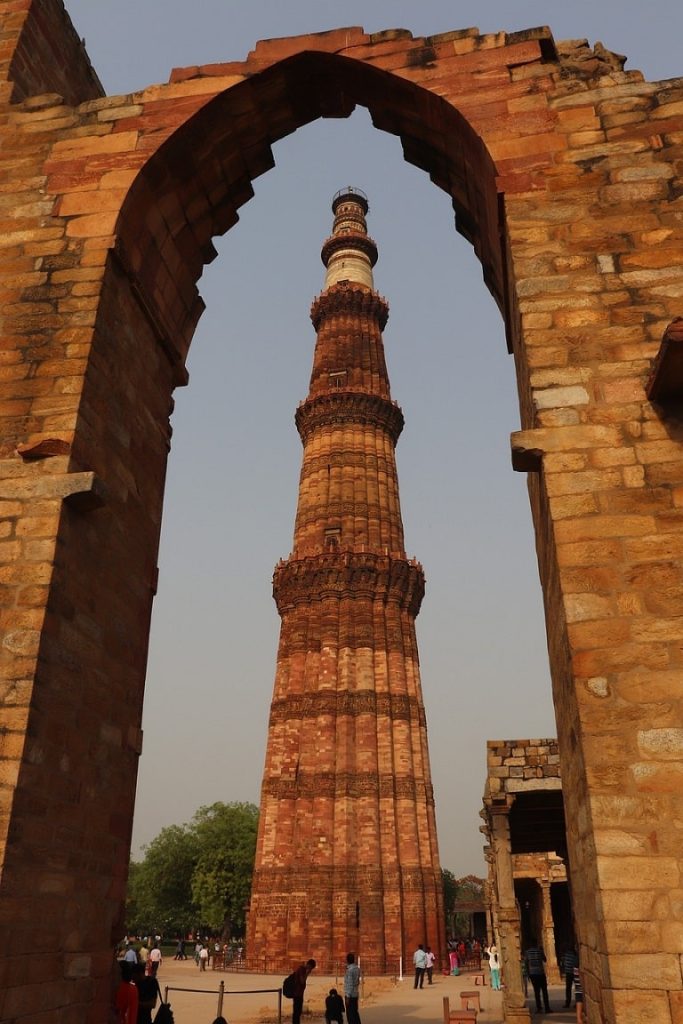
294	986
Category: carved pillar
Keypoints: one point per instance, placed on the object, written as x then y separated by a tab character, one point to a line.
515	1010
548	933
490	895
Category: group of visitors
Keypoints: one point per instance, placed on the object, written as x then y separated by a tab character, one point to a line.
423	962
463	951
335	1006
137	994
534	969
149	958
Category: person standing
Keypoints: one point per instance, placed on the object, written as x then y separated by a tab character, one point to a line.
352	989
535	967
203	958
494	966
300	978
568	962
420	964
578	993
148	990
154	960
126	996
431	959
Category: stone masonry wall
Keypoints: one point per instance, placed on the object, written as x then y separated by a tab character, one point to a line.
515	765
107	210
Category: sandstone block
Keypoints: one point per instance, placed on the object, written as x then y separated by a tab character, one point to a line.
594	527
658	778
656	971
638	1007
581	607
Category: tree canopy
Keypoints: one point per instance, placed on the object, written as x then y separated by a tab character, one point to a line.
197	874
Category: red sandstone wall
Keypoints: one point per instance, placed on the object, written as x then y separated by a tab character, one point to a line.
43	53
581	163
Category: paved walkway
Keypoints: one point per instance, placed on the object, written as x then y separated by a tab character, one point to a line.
383	1001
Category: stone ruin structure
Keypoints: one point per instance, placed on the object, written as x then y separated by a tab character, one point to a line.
542	893
347	856
565	175
527	887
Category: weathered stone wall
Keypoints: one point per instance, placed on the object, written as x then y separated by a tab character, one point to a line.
513	766
109	207
524	826
44	54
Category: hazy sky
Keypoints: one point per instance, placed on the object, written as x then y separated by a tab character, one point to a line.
234	466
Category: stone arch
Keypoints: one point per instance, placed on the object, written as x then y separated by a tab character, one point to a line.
203	172
570	201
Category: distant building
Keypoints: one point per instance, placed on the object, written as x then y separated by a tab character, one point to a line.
527	888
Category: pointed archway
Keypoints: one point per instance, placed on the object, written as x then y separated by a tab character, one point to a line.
564	208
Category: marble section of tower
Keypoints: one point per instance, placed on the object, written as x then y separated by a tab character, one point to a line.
347	855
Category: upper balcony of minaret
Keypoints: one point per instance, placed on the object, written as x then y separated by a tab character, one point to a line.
349	298
349	254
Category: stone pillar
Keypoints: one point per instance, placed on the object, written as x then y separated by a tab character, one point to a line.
548	933
515	1010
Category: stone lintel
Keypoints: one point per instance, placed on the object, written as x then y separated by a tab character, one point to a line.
531	785
529	446
82	489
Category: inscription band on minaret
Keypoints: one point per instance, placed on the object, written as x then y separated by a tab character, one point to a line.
347	855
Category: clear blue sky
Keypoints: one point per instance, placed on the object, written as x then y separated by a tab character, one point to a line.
234	466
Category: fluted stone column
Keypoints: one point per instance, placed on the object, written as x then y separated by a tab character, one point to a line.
514	1002
548	933
347	855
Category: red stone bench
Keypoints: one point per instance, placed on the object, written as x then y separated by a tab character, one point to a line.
470	996
462	1016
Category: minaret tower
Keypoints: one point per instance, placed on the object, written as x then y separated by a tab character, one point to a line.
347	856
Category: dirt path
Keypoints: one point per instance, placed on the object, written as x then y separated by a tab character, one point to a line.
383	1000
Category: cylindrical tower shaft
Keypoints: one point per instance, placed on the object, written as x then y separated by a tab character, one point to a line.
347	852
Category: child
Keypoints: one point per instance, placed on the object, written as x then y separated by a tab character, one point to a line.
334	1007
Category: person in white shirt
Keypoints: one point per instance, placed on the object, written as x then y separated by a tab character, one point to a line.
420	963
430	964
154	959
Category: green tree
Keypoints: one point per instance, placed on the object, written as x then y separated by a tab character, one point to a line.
160	886
450	894
195	874
221	883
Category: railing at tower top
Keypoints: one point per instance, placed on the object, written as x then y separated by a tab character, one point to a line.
350	190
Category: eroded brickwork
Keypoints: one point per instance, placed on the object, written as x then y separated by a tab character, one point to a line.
347	856
108	206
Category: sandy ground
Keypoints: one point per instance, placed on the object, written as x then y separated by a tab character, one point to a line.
383	1001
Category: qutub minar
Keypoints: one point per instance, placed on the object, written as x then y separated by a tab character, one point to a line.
347	855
